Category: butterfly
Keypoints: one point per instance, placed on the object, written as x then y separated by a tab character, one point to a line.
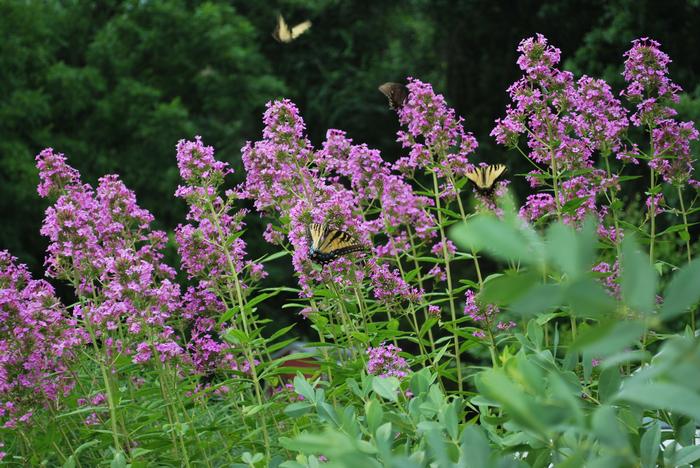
485	177
326	244
283	33
395	92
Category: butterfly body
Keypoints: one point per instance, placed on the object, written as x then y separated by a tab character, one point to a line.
395	92
484	178
283	33
326	244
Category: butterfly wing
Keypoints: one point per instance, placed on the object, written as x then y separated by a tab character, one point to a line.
476	176
493	173
395	92
325	244
485	177
314	235
282	32
299	29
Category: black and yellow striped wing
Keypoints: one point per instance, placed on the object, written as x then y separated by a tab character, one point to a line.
326	244
485	177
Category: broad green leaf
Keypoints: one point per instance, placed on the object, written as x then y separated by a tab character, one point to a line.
606	339
589	299
386	387
119	460
474	449
496	386
571	251
638	278
297	409
649	445
504	289
687	455
540	299
501	239
683	291
608	383
607	428
449	420
373	414
660	395
303	388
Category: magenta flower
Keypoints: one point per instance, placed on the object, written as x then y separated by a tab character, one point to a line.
101	242
653	92
384	361
432	131
38	339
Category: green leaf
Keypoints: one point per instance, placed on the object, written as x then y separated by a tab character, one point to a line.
683	291
235	336
449	420
589	299
274	256
70	462
649	445
474	449
374	414
638	278
660	395
540	299
119	460
494	385
607	428
504	289
610	337
386	387
303	388
501	239
297	409
687	455
569	250
608	383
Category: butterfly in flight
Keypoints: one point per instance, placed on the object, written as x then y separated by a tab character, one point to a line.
327	244
283	33
395	92
485	177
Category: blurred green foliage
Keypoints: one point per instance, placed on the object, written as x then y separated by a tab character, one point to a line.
115	84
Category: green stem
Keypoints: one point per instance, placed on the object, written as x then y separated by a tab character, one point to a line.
419	277
652	207
108	387
687	249
446	256
685	224
243	314
652	215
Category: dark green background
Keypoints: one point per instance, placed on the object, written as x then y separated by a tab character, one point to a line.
115	84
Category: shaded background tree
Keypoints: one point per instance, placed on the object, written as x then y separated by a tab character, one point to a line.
115	84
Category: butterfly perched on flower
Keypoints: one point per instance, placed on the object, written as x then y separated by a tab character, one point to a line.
283	33
395	92
485	177
327	244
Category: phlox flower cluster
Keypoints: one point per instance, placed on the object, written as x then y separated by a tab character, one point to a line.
38	339
207	352
384	361
434	135
653	92
609	276
210	245
101	243
283	178
566	122
289	180
483	315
